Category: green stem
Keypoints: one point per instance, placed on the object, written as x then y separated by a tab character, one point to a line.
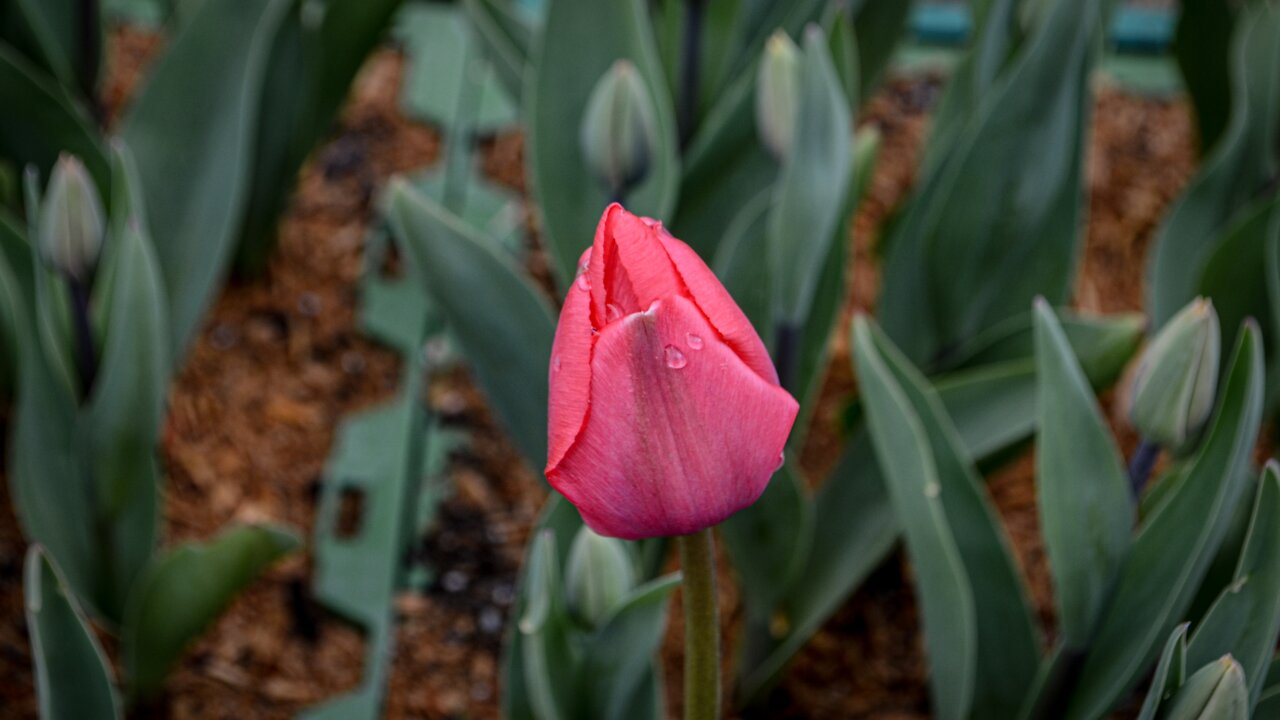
701	628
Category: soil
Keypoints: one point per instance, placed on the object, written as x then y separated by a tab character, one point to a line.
280	362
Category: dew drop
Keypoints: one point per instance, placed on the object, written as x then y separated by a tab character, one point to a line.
782	460
932	490
583	282
695	342
555	363
675	358
612	313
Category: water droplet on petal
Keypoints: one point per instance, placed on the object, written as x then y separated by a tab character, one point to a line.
695	342
612	313
555	363
675	358
932	490
583	282
782	460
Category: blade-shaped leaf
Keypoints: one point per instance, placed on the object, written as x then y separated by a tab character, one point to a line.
192	131
73	675
507	338
185	590
1086	507
620	655
1007	650
549	662
40	120
1240	166
1246	618
1170	673
1176	543
769	541
579	42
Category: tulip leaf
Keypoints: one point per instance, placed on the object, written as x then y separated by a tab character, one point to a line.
878	27
997	221
73	675
580	41
185	590
547	659
1169	675
506	39
1231	274
1240	166
192	131
935	492
1245	620
812	190
311	67
41	120
507	338
992	406
769	540
620	655
1176	543
1202	47
446	69
725	169
1086	507
558	519
13	304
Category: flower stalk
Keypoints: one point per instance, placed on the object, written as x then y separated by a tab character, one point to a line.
701	627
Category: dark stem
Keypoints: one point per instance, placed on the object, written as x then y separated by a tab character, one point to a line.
786	346
90	36
1141	465
86	352
701	627
690	67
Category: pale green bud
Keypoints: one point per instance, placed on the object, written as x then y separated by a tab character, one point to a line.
71	220
1216	690
619	132
778	93
1173	390
598	577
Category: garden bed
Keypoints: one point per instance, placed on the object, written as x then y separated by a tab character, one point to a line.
280	362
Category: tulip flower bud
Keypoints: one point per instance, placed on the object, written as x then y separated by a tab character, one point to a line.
619	132
1216	690
1174	387
778	93
71	220
598	577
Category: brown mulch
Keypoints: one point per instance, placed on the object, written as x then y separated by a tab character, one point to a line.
281	361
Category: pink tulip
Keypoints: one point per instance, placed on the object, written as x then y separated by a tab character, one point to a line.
666	416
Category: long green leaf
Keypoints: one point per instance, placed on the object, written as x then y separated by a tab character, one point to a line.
1240	166
998	221
1176	543
41	120
1086	507
192	131
1170	673
1007	647
623	679
73	675
185	590
1246	618
507	337
943	588
580	40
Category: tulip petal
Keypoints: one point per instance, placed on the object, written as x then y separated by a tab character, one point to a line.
716	303
570	373
680	433
629	268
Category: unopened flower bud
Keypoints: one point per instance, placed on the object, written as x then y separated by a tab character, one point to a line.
1173	390
71	220
1216	690
598	577
778	93
619	132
